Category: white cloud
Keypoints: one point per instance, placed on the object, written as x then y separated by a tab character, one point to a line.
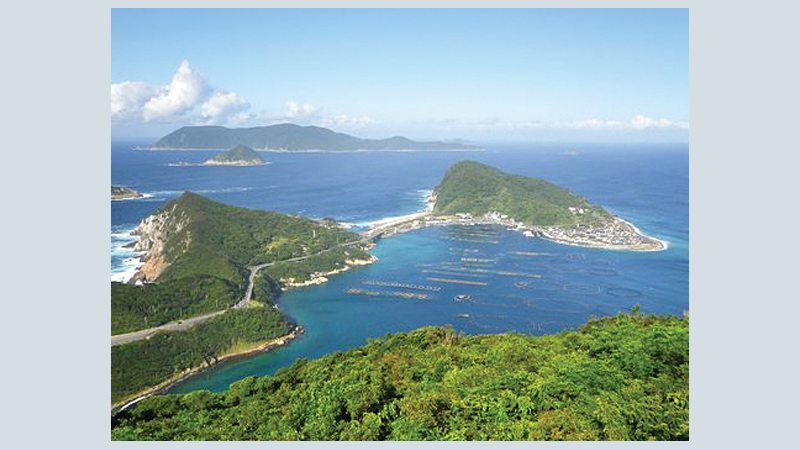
641	122
298	111
189	99
128	98
346	120
597	123
183	93
224	106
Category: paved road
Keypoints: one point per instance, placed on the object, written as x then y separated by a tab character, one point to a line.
243	303
174	326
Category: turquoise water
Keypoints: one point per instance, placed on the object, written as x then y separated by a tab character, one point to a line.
645	185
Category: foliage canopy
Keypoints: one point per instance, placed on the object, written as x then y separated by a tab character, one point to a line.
618	378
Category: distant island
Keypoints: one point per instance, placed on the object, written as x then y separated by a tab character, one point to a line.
290	137
206	291
474	193
237	156
123	193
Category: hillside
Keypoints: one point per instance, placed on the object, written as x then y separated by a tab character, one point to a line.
477	189
198	254
289	137
618	378
237	156
198	257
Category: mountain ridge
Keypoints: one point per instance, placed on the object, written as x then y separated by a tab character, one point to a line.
289	136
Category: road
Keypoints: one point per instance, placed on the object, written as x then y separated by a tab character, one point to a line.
243	303
174	326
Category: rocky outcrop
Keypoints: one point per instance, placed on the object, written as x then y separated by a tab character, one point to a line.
154	232
123	193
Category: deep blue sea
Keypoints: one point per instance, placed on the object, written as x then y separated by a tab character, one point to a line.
551	288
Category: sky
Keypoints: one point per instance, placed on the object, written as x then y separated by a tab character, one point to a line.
606	75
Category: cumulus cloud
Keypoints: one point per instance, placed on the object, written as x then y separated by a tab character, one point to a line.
300	111
224	106
189	99
128	98
183	93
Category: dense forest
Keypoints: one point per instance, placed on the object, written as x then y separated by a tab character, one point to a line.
146	363
471	187
141	307
617	378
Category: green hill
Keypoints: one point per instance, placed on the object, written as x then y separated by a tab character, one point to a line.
198	254
618	378
477	189
239	155
199	251
290	137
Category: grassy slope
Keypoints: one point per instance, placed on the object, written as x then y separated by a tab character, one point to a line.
471	187
623	377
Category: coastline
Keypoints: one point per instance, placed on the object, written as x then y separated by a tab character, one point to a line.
134	197
234	163
322	277
283	150
423	219
250	349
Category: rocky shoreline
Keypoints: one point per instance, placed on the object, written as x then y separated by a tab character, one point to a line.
233	163
123	193
322	277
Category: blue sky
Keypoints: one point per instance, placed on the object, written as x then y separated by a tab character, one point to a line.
603	75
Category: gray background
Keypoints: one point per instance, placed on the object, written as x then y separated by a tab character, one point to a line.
55	177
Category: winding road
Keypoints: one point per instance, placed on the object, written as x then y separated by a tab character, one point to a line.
183	324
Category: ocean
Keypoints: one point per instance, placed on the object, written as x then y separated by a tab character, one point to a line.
520	284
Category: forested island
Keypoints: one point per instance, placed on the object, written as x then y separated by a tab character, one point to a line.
624	377
474	193
123	193
237	156
290	137
204	257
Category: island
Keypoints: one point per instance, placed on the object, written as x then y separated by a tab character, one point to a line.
237	156
472	193
290	137
123	193
208	286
